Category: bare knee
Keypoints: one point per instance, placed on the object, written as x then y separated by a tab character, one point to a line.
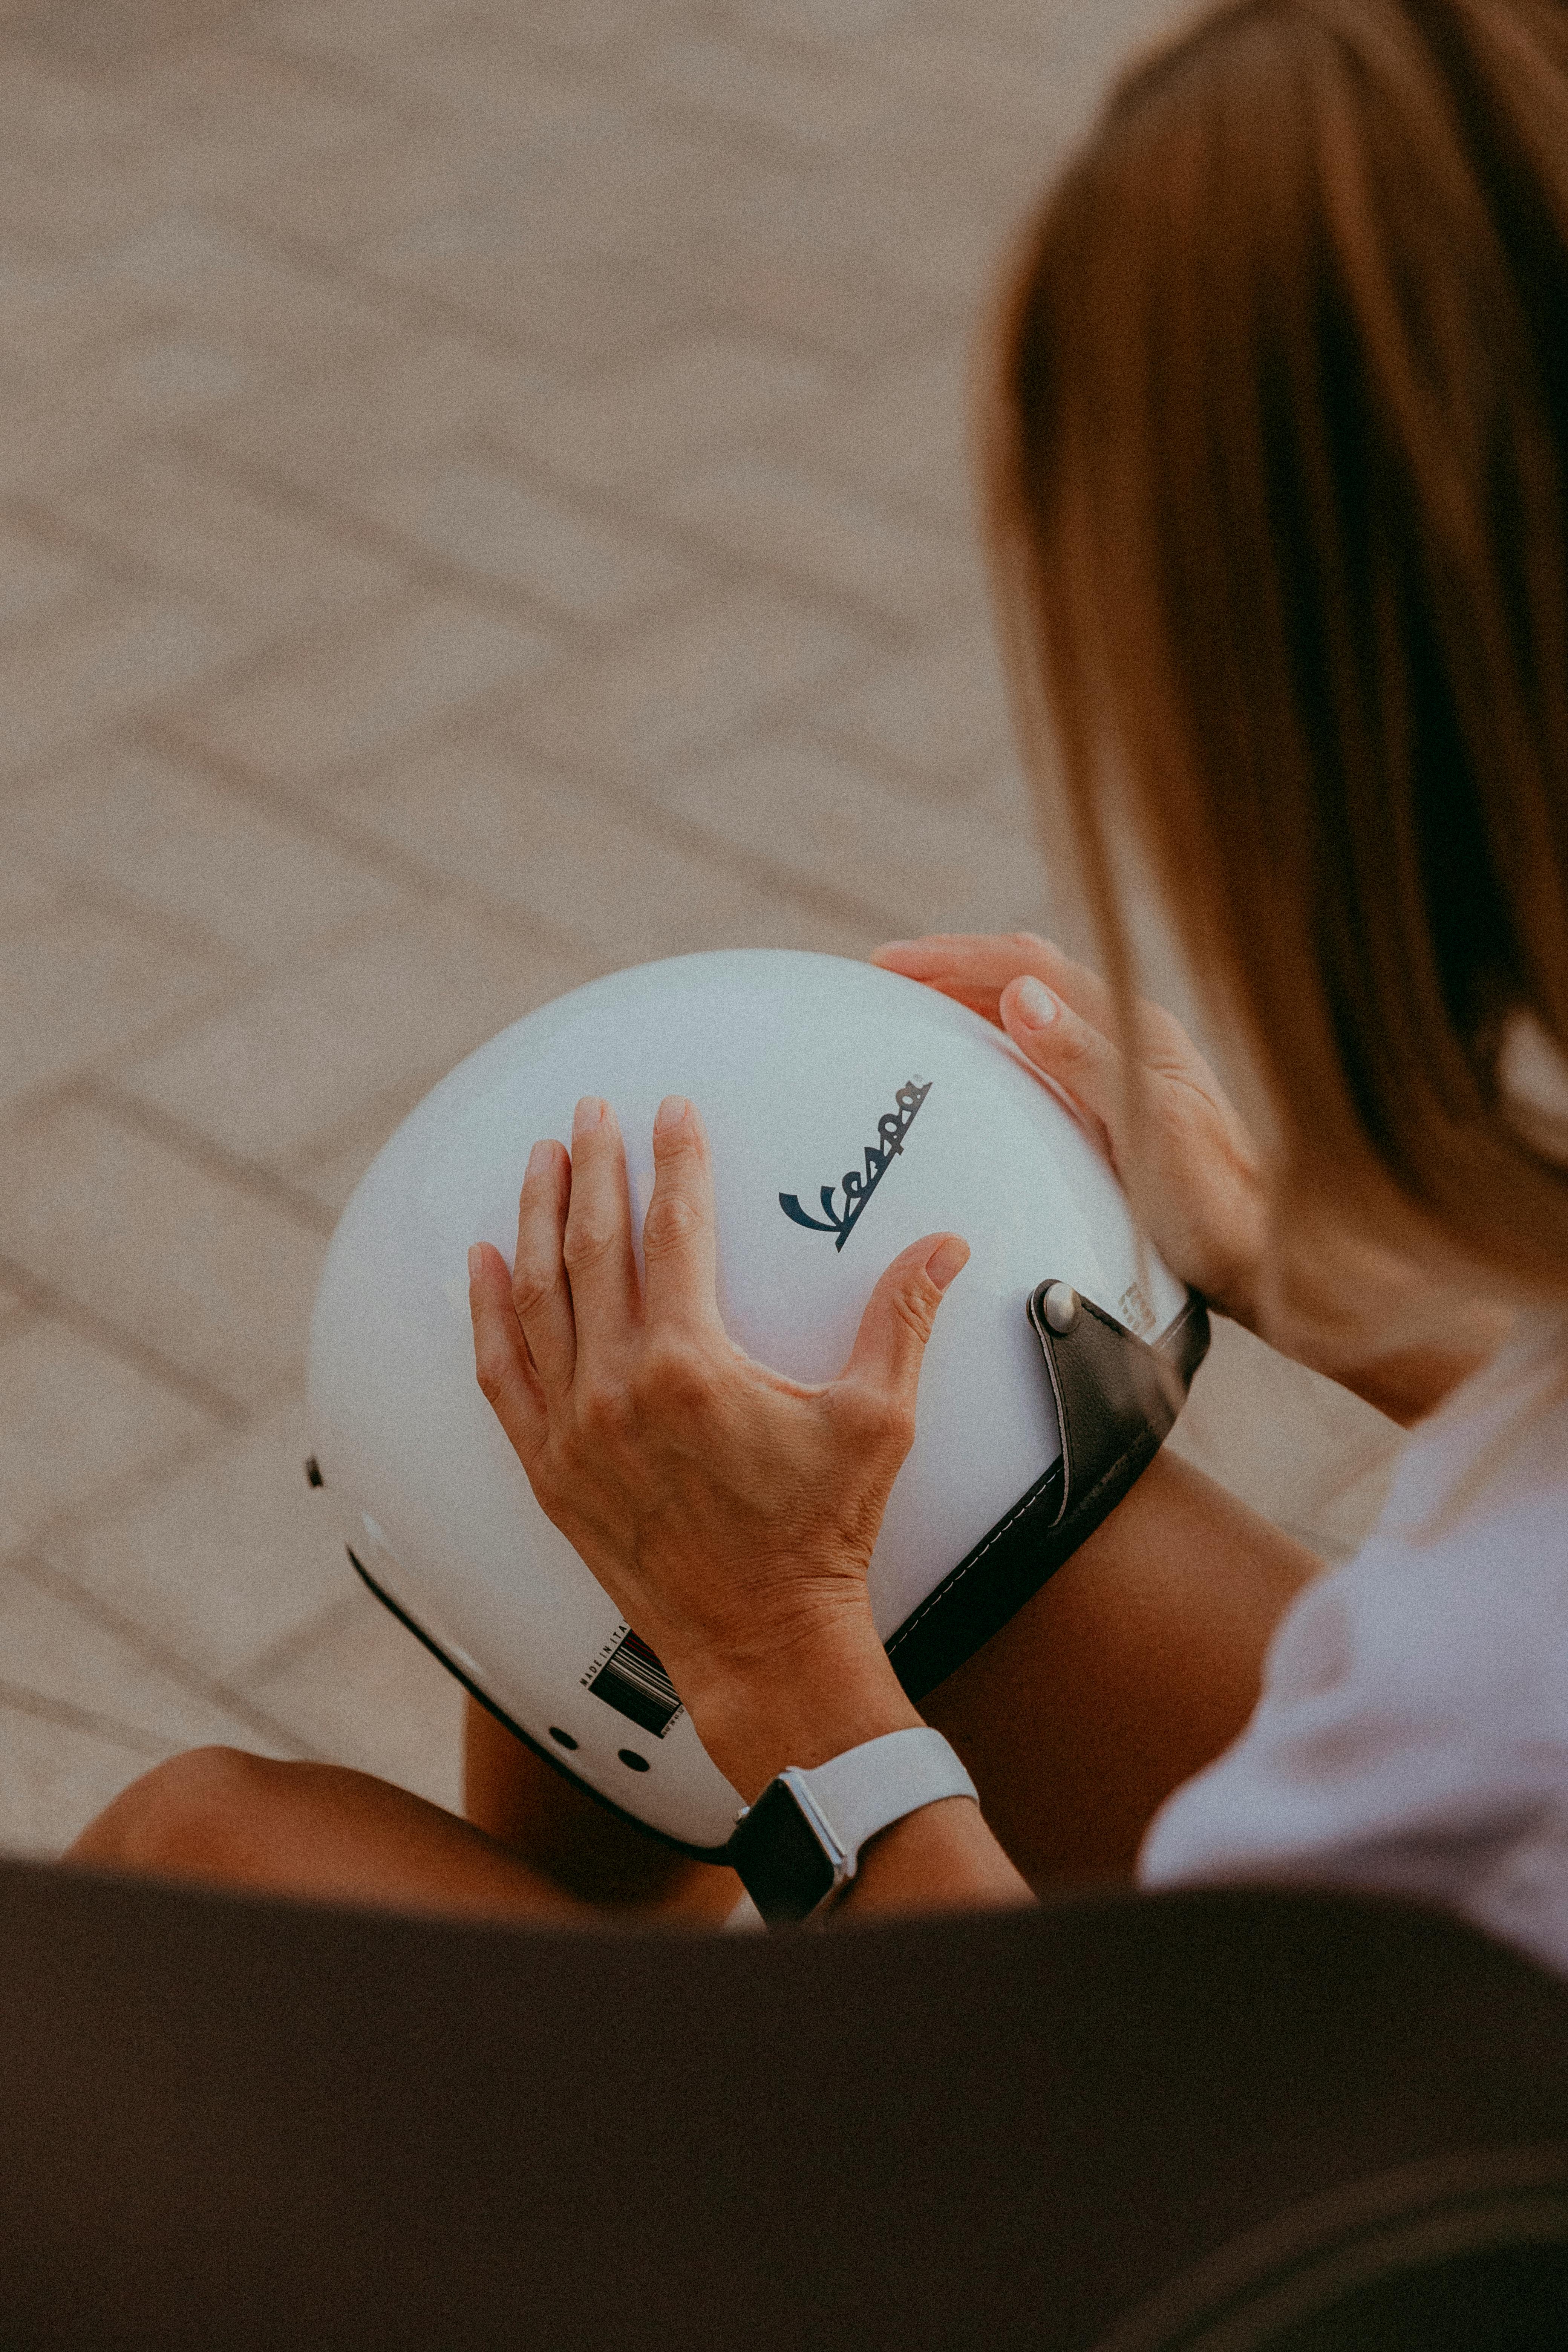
192	1816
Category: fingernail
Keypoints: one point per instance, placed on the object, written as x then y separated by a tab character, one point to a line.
537	1159
588	1115
1036	1004
949	1258
473	1261
892	948
672	1112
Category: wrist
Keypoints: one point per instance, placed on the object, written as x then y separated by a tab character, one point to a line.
1236	1287
1237	1302
811	1700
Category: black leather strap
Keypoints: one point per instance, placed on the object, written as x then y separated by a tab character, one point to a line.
1117	1397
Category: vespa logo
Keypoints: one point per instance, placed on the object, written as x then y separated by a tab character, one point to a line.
858	1188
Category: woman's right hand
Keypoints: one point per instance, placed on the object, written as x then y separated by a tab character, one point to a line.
1191	1170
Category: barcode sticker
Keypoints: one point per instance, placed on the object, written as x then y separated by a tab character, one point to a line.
633	1681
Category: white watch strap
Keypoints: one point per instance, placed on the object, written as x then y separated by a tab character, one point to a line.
871	1787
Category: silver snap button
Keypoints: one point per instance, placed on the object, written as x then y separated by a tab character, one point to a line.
1061	1306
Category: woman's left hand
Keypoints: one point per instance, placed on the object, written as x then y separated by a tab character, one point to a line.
729	1512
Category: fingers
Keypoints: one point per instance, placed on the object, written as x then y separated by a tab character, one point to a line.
975	967
500	1354
596	1246
884	1367
540	1297
955	965
678	1252
1070	1051
1058	1010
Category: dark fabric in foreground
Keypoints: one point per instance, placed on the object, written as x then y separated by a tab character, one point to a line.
226	2123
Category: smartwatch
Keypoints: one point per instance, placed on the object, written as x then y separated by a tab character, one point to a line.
799	1844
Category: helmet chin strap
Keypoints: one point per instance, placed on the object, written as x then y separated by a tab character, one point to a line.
1117	1397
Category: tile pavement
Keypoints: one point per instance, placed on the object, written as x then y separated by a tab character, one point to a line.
483	498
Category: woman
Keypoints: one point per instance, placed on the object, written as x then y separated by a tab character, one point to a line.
1277	459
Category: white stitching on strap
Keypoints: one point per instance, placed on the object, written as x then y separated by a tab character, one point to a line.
951	1584
958	1575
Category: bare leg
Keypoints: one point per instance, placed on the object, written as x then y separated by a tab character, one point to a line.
1132	1669
582	1847
319	1831
536	1848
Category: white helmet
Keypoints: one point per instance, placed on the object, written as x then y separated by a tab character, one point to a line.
1058	1363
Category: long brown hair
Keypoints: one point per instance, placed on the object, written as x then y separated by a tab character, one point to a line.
1277	457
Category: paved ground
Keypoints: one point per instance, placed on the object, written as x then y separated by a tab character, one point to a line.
482	499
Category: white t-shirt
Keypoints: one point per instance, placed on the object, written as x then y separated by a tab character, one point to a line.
1412	1737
